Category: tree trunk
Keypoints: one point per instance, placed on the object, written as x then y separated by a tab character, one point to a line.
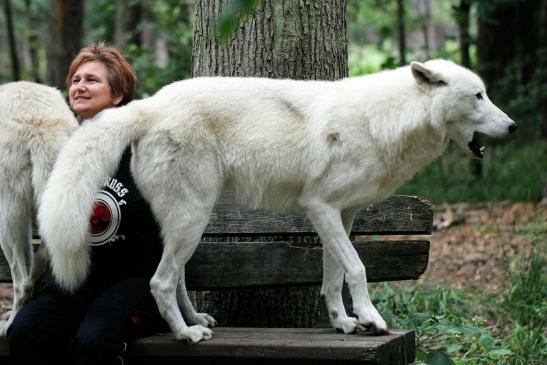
401	31
128	16
64	39
462	19
281	39
508	32
461	13
33	41
15	72
423	12
542	62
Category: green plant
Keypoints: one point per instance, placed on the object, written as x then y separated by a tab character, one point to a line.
512	170
467	327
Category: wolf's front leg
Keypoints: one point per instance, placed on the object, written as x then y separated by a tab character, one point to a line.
328	223
331	290
187	308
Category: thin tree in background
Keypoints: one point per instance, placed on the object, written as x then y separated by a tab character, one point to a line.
280	39
401	31
461	13
128	17
423	10
33	40
543	62
8	12
64	39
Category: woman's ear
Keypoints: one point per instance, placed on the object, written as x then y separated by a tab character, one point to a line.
117	100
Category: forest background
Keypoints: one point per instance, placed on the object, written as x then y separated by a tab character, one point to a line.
490	219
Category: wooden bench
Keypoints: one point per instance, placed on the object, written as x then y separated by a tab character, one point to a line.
243	249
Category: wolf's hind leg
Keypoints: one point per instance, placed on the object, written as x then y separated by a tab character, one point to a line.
182	221
15	233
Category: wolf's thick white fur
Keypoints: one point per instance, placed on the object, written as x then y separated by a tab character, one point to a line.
35	122
323	148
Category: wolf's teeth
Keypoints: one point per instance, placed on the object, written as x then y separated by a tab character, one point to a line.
482	149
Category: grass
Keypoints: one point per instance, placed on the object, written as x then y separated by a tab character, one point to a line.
467	327
512	170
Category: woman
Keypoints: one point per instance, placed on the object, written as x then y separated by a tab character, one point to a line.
114	306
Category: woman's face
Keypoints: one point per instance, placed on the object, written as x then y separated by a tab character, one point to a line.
89	92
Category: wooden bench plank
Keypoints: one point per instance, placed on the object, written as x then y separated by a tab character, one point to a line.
286	343
269	264
396	215
251	264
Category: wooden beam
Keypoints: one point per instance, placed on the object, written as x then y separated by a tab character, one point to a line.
396	215
218	265
262	344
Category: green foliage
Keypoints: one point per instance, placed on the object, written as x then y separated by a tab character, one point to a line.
469	328
168	21
524	92
236	11
512	170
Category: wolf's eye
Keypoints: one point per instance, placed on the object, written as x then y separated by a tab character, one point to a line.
478	96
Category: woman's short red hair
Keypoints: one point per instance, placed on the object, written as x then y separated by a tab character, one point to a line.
121	76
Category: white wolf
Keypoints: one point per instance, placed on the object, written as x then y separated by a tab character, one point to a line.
35	122
326	148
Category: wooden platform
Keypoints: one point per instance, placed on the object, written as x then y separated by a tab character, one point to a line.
305	345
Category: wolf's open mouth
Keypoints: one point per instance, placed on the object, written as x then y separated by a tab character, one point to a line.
475	147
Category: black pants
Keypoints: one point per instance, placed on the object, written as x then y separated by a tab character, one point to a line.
91	326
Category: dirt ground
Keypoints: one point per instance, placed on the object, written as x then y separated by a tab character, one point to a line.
471	247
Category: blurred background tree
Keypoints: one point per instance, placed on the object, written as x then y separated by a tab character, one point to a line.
504	40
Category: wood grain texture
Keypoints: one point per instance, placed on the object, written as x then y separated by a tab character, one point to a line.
263	264
318	344
232	345
224	265
395	215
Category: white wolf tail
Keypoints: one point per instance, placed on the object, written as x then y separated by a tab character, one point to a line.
92	154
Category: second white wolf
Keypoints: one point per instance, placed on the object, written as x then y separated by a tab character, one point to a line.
35	122
324	148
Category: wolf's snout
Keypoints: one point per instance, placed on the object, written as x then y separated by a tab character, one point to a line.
513	127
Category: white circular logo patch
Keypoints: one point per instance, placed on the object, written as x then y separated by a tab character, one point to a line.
105	219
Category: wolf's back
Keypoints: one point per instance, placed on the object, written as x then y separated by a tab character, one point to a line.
92	153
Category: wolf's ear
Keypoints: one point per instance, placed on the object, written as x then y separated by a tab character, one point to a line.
424	75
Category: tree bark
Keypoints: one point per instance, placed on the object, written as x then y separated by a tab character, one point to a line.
542	62
282	39
462	19
8	12
64	39
128	16
461	14
33	41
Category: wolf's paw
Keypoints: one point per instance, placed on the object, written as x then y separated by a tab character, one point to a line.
204	320
195	334
345	324
370	321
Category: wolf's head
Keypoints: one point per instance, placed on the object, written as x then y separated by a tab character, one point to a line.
460	97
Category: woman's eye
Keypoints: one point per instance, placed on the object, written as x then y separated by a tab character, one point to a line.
478	96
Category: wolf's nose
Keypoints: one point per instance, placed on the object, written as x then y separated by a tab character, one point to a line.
513	127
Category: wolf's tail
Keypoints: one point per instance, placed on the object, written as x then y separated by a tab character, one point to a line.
90	155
